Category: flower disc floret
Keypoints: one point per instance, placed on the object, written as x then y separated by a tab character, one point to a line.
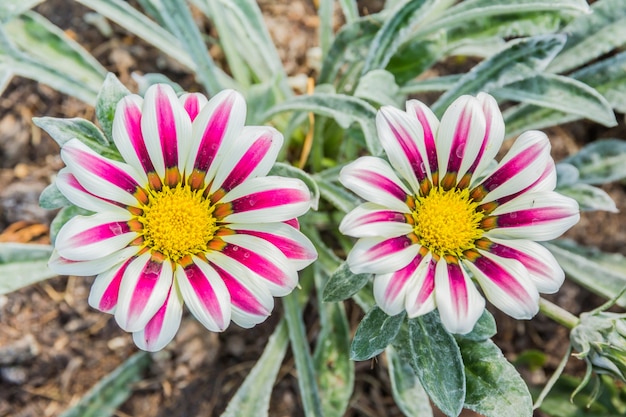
447	222
436	221
177	222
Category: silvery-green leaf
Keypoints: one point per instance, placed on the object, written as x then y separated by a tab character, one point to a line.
51	198
344	109
112	390
110	94
600	162
375	332
436	359
343	284
379	86
416	56
338	196
22	265
584	265
494	387
523	117
12	8
350	10
442	83
523	58
608	76
559	93
485	328
566	174
589	198
592	35
406	389
253	398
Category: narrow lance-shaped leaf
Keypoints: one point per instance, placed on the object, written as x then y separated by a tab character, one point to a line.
51	198
589	198
560	93
342	284
608	77
22	265
406	389
111	93
600	162
523	58
494	387
11	8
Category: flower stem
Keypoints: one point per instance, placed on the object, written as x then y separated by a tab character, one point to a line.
558	314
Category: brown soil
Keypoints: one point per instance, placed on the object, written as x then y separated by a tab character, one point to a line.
59	347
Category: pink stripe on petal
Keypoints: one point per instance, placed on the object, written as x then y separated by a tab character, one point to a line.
205	292
267	199
502	278
410	149
166	126
99	233
532	216
248	162
389	246
291	248
429	139
383	183
381	216
428	286
548	171
192	106
458	289
240	296
214	134
257	263
400	278
512	167
108	301
531	263
293	223
155	325
144	288
132	117
459	141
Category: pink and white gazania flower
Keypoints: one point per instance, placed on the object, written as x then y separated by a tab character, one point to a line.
443	216
188	218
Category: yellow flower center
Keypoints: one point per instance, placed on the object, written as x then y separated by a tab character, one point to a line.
447	222
177	222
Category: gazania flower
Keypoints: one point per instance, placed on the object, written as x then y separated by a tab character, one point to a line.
443	216
188	218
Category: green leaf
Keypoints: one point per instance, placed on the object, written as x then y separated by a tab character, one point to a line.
350	10
338	196
485	328
51	198
406	389
427	85
436	359
608	76
592	35
416	56
110	94
253	398
344	109
22	265
395	30
584	265
285	170
494	387
379	86
12	8
523	117
560	93
343	284
589	198
335	370
600	162
111	392
48	44
375	332
523	58
566	174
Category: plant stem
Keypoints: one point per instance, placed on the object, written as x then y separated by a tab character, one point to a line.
558	314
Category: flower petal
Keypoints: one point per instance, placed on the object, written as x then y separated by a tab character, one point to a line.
429	124
381	255
544	270
255	154
69	186
373	179
459	139
400	137
110	180
161	328
506	283
205	294
215	131
251	301
521	167
264	200
85	238
420	292
459	302
193	103
263	261
537	216
290	241
143	290
63	266
105	289
371	220
128	136
166	127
